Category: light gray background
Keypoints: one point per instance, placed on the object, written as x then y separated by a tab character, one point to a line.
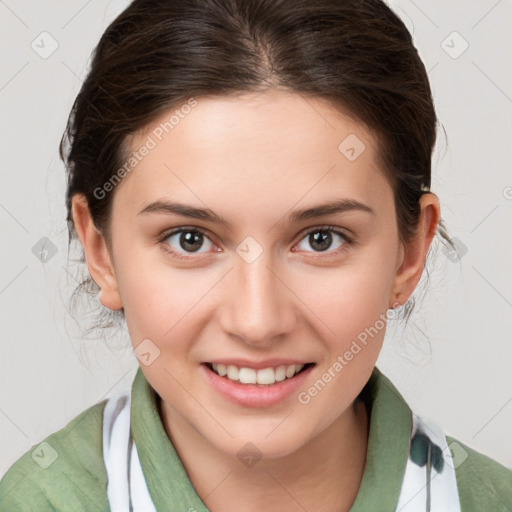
452	363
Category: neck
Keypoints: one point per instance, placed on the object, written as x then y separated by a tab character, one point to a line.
323	475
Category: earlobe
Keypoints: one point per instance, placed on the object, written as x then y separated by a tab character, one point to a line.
96	252
412	256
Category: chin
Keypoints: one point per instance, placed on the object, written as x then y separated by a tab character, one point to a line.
263	443
249	451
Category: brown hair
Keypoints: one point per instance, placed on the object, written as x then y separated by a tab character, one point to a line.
157	54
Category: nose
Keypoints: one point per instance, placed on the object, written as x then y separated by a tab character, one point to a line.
258	304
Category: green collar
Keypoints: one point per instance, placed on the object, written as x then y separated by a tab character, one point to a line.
388	448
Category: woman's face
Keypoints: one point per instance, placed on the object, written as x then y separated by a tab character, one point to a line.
271	285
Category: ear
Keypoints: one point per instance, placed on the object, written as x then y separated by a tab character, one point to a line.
411	260
96	253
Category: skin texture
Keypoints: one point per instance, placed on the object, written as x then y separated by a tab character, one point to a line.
253	159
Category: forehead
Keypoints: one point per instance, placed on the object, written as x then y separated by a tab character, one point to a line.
254	147
251	121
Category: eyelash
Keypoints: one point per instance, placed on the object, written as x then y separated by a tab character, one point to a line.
347	241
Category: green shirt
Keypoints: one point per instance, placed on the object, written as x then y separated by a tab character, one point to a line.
66	471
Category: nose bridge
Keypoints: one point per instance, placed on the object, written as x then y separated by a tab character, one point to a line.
258	306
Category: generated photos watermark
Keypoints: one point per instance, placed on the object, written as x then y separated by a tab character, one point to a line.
342	360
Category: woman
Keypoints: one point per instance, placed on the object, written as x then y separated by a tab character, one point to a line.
250	182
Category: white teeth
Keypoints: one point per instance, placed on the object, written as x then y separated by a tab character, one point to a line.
290	371
266	376
247	376
232	372
280	373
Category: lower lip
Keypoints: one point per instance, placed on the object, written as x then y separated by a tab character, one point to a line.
252	395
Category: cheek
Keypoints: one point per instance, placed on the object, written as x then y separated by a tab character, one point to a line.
348	299
352	311
147	296
162	303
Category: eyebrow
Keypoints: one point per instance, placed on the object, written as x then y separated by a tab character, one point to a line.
175	208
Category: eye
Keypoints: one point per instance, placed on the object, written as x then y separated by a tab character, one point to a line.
184	242
189	240
321	239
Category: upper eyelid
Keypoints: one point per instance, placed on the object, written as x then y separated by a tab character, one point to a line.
166	234
324	227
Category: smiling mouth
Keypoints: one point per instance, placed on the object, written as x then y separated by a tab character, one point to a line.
263	377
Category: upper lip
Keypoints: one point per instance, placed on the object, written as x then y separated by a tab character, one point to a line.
258	365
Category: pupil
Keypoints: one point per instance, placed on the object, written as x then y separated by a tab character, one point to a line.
188	237
324	239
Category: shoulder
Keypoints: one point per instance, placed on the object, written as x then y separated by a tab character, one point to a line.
483	483
64	472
